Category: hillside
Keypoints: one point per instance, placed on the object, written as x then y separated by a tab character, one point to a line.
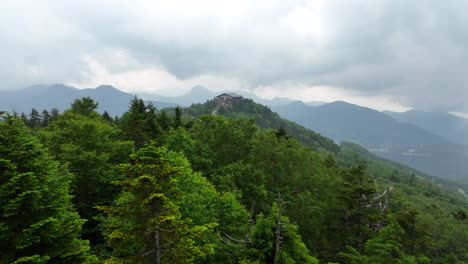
264	118
226	187
382	135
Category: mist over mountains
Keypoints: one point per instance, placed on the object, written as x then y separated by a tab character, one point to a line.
429	141
402	140
448	126
200	94
60	96
110	99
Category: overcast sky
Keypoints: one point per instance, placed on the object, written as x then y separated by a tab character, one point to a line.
386	54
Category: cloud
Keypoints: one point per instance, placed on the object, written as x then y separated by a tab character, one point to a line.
412	53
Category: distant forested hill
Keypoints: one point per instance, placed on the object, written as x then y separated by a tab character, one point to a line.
265	118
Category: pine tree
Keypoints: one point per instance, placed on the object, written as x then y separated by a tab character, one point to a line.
178	117
359	215
134	125
274	239
45	118
163	120
84	106
37	221
54	113
107	117
144	225
153	130
34	118
90	147
23	118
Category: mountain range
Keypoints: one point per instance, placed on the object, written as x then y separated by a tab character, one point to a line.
429	141
451	127
201	94
60	96
380	133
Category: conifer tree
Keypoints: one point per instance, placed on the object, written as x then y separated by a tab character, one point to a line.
134	126
178	117
107	117
54	113
23	117
34	118
37	221
153	130
163	120
45	118
274	239
144	224
91	148
84	106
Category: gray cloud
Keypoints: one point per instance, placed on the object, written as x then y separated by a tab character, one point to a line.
411	50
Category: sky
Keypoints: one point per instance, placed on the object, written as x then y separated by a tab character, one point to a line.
385	54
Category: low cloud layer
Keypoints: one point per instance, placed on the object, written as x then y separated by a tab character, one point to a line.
413	53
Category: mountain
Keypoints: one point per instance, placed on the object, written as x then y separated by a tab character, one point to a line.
60	96
383	135
264	118
200	94
451	127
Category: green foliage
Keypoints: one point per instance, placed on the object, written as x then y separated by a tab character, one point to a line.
385	247
144	224
227	140
178	117
90	147
107	117
344	204
134	123
34	119
275	240
84	106
37	221
265	118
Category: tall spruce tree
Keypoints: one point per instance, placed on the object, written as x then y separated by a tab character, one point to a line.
45	118
107	117
37	221
153	130
163	120
178	117
274	239
144	224
134	123
54	113
90	147
34	118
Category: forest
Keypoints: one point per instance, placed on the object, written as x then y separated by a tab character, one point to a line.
211	184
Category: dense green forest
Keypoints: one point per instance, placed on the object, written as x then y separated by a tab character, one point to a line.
211	184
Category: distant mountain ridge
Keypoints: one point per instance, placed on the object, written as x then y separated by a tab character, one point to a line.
383	135
60	96
451	127
200	94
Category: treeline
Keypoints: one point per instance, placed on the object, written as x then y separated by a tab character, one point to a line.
183	187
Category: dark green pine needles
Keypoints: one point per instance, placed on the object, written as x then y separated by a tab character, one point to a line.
37	221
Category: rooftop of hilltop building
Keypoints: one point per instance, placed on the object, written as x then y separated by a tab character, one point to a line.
226	99
228	95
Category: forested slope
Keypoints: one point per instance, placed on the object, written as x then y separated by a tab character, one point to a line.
210	184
